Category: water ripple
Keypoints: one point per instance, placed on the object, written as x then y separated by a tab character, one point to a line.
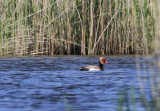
57	84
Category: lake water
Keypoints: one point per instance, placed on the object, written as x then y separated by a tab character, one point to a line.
55	83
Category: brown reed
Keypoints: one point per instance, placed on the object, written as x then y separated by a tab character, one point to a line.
49	27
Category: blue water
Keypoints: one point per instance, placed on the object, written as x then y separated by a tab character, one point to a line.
55	83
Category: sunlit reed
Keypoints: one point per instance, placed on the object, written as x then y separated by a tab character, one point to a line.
51	27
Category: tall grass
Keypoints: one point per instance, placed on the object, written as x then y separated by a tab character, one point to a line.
149	87
77	27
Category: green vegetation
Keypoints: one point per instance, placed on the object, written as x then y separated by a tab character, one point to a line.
40	27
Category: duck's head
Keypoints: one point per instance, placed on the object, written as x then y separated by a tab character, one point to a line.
102	60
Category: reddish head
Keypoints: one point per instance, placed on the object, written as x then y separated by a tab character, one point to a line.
103	60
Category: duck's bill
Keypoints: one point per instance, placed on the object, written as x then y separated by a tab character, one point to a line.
106	62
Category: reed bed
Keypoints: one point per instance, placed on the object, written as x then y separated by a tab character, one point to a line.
149	87
51	27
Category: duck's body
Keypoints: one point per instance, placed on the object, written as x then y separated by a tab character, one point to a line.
90	68
102	60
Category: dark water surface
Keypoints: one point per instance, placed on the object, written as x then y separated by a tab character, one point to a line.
55	83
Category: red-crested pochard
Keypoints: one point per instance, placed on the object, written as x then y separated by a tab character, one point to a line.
102	60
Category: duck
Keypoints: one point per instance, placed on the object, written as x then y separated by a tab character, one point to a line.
102	60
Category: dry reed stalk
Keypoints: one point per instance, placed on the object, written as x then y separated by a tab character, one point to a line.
90	28
83	40
85	20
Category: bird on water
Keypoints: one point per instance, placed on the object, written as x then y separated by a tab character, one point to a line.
102	61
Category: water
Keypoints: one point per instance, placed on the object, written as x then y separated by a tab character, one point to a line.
45	83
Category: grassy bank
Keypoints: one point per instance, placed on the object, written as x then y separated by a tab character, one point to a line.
51	27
